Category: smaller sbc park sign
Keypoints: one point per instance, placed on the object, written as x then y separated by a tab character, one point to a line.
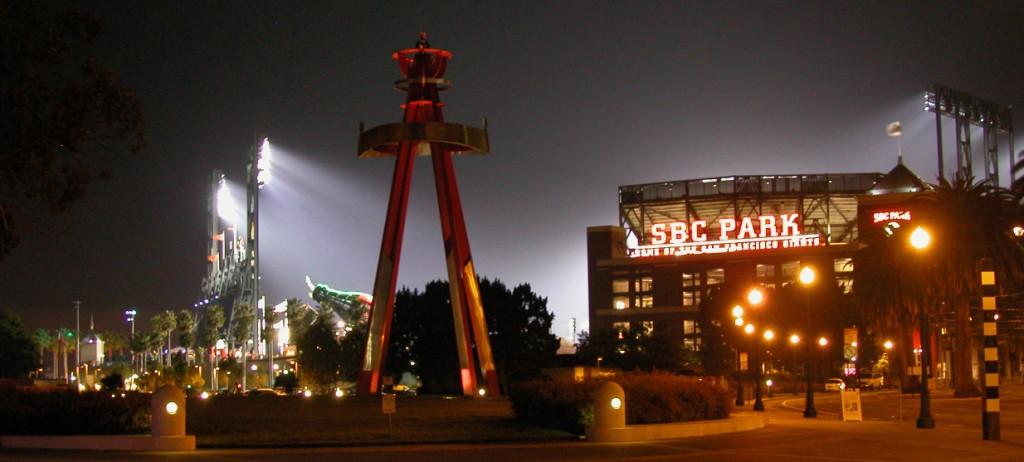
726	235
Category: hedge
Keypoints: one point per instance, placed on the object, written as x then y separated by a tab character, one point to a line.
28	411
651	397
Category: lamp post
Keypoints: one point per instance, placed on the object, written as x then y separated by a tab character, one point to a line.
755	297
737	314
920	240
807	277
758	404
130	315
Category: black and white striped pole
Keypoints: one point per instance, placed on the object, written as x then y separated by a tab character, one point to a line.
990	398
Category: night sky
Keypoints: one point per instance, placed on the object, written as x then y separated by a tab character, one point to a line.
581	97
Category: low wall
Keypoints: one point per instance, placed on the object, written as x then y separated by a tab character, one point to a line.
736	423
101	442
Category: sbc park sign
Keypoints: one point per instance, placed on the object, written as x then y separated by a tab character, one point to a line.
727	235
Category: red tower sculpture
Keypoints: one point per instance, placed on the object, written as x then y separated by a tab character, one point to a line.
423	132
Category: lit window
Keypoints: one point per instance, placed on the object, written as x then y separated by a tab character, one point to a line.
620	286
644	284
690	327
716	276
647	327
645	301
620	303
843	265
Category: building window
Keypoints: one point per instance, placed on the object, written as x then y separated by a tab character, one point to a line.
620	286
645	301
620	302
716	277
843	265
690	327
691	289
790	270
621	328
692	344
644	284
845	284
647	328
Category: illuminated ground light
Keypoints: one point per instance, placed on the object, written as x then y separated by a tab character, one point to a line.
616	403
307	393
204	395
171	408
482	392
338	393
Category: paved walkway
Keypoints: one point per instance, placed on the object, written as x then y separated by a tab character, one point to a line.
789	437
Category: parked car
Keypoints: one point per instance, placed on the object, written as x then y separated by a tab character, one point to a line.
835	384
872	381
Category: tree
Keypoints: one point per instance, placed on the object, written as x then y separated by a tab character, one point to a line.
43	340
187	338
972	220
241	327
17	351
520	326
114	342
210	326
65	118
319	356
299	317
65	342
163	324
631	350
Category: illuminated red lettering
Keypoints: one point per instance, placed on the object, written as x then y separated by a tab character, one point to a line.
725	226
790	227
698	230
768	226
658	234
746	229
678	232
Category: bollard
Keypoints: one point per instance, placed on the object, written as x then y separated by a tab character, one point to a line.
609	407
168	410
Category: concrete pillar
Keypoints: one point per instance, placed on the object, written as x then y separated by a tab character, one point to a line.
609	406
168	410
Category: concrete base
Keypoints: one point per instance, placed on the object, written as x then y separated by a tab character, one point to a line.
101	442
735	423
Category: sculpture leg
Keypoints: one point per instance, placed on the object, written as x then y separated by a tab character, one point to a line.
387	274
465	293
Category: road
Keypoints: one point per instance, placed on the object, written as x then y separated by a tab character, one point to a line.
946	410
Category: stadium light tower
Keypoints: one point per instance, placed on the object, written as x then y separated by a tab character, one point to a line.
258	176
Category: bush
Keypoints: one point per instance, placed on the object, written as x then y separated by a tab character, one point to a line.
29	411
651	397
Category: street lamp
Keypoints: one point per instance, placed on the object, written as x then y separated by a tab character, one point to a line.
920	240
807	277
758	404
755	296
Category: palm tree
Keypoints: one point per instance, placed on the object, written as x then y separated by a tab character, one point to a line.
65	341
187	326
43	338
162	324
972	220
114	342
211	323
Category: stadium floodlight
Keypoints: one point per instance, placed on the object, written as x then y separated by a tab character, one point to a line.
226	207
263	163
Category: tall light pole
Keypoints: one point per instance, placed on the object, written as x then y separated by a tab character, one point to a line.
78	336
755	297
259	175
737	314
807	277
130	315
921	240
768	336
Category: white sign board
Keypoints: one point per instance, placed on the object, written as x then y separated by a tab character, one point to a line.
387	404
851	405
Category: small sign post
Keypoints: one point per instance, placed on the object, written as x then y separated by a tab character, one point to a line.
851	405
388	405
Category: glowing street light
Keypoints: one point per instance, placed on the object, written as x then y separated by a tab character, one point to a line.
807	275
737	311
920	238
755	296
769	335
749	329
887	345
822	341
739	322
794	339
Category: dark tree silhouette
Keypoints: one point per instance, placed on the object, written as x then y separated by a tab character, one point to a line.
64	117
